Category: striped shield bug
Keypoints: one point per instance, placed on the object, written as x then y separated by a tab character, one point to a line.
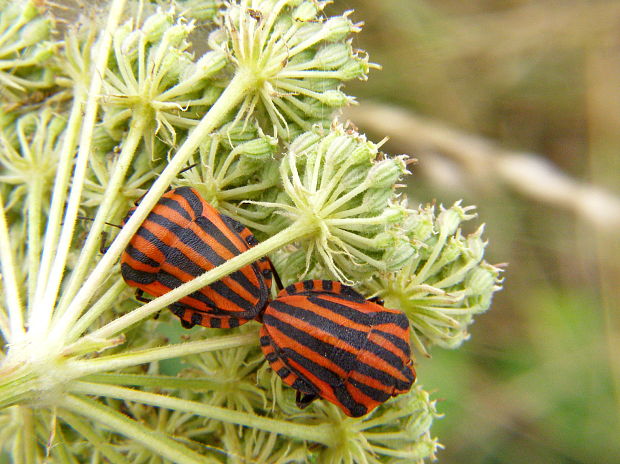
182	237
327	341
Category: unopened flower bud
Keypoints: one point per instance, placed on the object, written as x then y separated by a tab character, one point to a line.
384	174
304	142
155	26
353	69
335	98
480	281
175	35
333	56
35	31
337	28
307	11
258	148
209	64
450	219
397	256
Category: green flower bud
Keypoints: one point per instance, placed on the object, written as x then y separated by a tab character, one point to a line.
481	281
419	225
234	133
451	251
322	84
335	98
155	26
377	199
307	11
175	35
450	219
398	255
209	64
353	69
333	56
475	245
35	32
338	28
202	10
258	148
354	176
384	174
304	142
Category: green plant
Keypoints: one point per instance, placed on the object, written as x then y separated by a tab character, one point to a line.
114	112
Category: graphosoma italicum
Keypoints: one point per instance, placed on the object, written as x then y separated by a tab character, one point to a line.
326	340
182	237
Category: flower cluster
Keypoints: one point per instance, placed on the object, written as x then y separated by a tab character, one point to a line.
123	109
445	283
25	49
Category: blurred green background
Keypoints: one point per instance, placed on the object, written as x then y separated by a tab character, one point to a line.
520	81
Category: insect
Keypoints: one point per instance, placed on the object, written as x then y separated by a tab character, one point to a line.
325	340
182	237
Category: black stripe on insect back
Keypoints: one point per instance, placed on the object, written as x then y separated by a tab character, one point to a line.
213	231
189	238
398	342
353	337
140	277
192	199
193	241
176	206
172	282
341	309
176	258
141	257
377	395
342	358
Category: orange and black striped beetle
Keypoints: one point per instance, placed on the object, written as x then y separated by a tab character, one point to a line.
327	341
182	237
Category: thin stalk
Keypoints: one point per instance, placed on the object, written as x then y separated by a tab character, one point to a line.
102	305
228	100
294	232
315	433
133	358
92	436
40	324
158	381
9	282
29	440
35	197
157	442
136	131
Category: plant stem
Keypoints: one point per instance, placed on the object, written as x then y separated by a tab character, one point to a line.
132	358
93	438
159	443
296	231
137	128
316	433
59	194
40	324
9	281
232	95
35	197
103	304
158	381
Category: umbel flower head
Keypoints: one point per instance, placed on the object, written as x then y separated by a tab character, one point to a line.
338	183
294	57
86	373
445	283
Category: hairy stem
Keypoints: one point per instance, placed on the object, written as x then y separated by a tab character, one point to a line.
316	433
40	321
159	443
